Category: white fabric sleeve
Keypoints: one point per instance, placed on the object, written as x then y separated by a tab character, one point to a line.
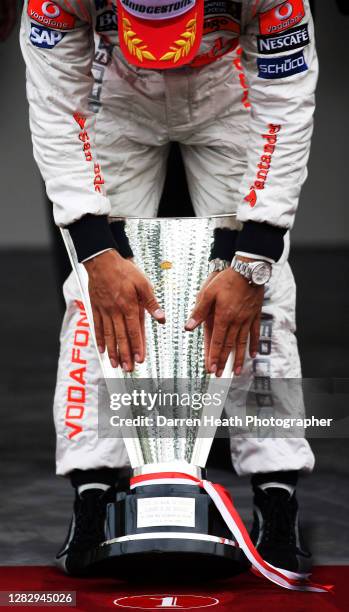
58	58
280	62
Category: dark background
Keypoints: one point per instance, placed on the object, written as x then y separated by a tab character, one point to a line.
36	505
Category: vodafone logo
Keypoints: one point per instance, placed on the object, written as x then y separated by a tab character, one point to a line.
49	15
51	10
166	602
282	17
284	12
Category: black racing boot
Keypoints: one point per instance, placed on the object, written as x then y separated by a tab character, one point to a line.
276	532
94	490
86	531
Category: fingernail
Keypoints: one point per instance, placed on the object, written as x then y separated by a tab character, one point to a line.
159	314
213	368
101	349
190	324
113	363
238	370
219	373
137	358
125	366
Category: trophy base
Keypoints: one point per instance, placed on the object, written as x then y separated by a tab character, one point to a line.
163	529
178	557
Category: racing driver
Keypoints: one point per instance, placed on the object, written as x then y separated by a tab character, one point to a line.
110	84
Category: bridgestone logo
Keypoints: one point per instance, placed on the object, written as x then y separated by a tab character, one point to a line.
158	10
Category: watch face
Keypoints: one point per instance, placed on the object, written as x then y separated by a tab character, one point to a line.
261	274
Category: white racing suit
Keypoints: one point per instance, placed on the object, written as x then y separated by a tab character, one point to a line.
222	114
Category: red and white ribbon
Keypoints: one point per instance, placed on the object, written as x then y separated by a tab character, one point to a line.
224	504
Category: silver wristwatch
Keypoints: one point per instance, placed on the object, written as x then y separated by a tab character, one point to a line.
217	265
257	272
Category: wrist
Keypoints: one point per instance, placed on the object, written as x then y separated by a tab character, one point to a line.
100	259
248	259
261	241
91	235
253	257
117	228
224	244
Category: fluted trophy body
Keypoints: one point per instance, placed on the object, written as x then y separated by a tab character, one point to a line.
174	255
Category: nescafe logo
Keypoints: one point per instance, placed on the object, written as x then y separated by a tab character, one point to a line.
51	10
166	602
284	12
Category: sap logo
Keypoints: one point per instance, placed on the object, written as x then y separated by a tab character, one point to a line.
43	38
282	67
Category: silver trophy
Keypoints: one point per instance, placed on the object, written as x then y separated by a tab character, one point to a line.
164	519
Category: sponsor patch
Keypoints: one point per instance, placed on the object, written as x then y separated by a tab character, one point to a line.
222	15
281	67
87	151
223	7
159	9
50	15
221	23
293	39
229	7
270	139
281	17
107	22
44	38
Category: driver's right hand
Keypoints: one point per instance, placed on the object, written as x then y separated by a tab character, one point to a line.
119	295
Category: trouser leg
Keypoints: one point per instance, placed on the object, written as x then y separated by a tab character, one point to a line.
275	391
76	398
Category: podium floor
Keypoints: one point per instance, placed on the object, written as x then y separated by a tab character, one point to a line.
242	593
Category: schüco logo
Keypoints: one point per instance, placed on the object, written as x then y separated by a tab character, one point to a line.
166	602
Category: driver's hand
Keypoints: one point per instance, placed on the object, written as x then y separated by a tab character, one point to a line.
119	294
230	308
